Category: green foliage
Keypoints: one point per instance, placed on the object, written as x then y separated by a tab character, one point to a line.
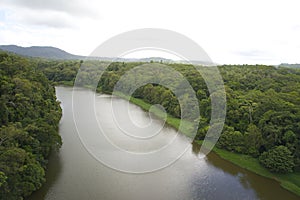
3	179
262	119
28	126
263	109
279	159
231	140
253	140
290	181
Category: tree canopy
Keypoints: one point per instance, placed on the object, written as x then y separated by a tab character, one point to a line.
29	121
262	119
263	109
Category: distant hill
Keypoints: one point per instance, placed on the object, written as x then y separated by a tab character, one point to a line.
150	59
41	52
56	53
289	65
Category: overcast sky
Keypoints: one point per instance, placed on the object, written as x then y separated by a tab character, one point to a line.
256	31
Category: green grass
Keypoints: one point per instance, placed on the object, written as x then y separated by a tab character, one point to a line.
290	181
64	83
186	126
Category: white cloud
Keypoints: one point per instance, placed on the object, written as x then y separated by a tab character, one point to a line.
230	31
73	7
49	19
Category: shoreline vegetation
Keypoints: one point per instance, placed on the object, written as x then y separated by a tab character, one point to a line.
290	181
262	119
29	126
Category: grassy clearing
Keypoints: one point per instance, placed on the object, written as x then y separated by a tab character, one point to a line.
186	127
289	181
64	83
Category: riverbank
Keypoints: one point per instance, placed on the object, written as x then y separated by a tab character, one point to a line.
188	178
186	127
290	181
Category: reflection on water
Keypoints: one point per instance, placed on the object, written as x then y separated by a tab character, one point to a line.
264	188
54	170
74	174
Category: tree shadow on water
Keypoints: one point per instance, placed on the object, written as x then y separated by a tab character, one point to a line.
264	188
54	168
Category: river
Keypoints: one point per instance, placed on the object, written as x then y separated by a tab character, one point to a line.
76	175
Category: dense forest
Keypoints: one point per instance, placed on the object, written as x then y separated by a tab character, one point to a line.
29	118
262	119
263	110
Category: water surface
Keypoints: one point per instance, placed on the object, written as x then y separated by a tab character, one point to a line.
76	175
